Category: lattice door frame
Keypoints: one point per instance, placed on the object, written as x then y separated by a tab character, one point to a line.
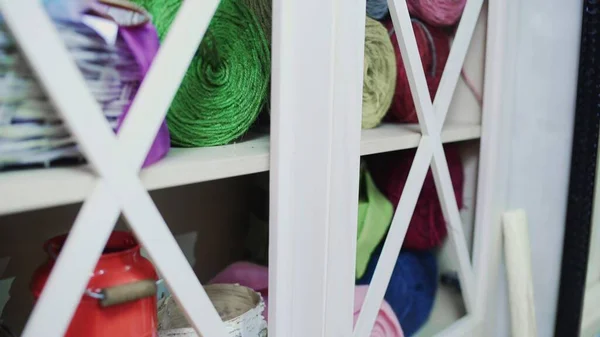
116	160
314	180
431	116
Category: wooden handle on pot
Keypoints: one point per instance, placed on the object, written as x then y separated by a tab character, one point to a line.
128	292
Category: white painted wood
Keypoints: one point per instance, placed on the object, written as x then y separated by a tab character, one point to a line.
413	66
493	169
593	271
66	87
70	275
466	105
314	182
395	237
345	166
590	322
539	64
393	137
55	309
458	246
456	58
41	188
162	80
430	129
517	252
301	166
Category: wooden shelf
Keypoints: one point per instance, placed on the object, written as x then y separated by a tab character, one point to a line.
31	189
393	137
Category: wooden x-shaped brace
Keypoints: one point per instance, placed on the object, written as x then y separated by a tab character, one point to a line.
430	152
116	160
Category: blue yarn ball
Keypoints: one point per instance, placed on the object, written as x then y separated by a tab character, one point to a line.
377	9
412	288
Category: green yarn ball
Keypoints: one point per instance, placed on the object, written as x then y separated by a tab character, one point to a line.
226	84
264	12
380	74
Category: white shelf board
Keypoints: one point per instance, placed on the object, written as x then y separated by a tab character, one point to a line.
393	137
30	189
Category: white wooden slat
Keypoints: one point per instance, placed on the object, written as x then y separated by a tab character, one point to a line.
593	267
459	249
493	164
431	127
281	235
456	59
70	274
345	162
41	188
393	137
302	133
55	69
48	187
395	237
55	309
413	65
590	321
162	81
150	229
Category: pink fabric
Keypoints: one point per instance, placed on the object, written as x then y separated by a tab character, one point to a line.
257	277
386	324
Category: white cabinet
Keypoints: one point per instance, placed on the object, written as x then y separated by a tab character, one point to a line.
312	154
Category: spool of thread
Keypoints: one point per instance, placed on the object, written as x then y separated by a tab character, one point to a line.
377	9
427	228
434	47
227	82
437	12
380	72
412	287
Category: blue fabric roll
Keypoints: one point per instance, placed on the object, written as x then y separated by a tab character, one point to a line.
412	288
377	9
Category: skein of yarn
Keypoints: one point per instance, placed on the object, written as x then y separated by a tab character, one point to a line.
227	82
412	288
263	9
377	9
380	72
427	228
434	47
437	12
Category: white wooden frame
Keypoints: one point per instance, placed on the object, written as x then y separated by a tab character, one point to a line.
314	180
118	186
475	285
590	321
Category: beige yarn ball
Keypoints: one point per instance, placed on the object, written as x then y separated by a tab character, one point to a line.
379	74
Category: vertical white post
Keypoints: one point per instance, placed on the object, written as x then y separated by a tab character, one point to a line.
493	166
345	162
303	134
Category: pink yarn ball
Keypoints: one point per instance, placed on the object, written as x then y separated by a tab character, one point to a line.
437	12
